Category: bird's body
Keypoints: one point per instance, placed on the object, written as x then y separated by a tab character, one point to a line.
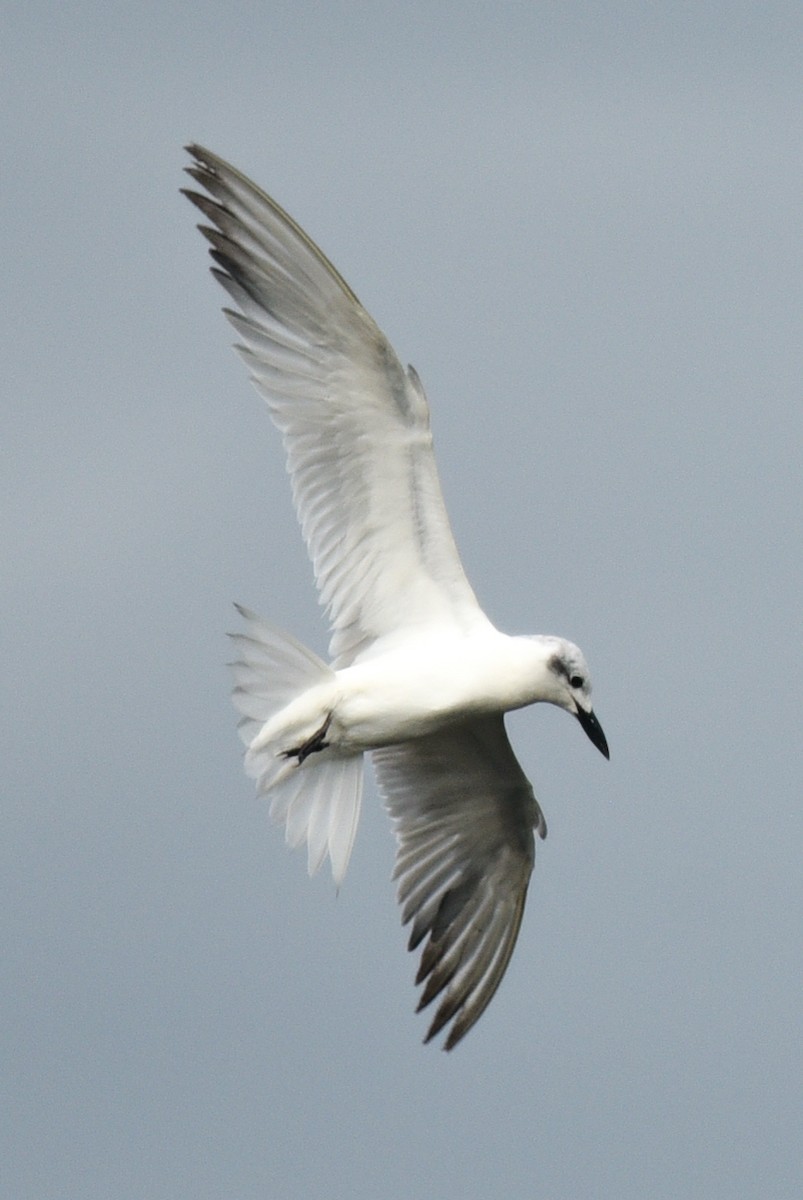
389	695
419	676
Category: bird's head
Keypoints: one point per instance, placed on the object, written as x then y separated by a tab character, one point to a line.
571	687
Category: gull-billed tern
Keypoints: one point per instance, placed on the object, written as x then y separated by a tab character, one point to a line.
419	677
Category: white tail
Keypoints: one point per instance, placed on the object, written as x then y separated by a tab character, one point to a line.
317	800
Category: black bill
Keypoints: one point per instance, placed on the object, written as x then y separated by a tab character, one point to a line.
594	730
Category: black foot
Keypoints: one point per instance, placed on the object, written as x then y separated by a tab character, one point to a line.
316	742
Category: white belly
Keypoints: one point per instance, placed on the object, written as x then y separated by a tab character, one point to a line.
431	682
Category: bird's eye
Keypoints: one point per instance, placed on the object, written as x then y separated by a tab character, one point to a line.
576	681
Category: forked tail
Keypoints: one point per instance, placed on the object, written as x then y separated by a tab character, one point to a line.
316	797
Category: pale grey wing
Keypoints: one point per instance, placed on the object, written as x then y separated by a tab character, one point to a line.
355	424
464	814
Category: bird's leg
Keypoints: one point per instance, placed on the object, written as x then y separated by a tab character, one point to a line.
316	742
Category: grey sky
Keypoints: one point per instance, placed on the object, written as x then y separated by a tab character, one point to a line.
581	223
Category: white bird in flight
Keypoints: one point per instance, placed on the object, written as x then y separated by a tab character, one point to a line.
419	677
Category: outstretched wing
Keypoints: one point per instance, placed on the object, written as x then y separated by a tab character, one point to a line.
464	814
355	424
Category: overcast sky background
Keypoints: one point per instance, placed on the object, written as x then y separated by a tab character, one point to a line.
581	223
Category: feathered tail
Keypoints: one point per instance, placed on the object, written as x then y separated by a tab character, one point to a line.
317	800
